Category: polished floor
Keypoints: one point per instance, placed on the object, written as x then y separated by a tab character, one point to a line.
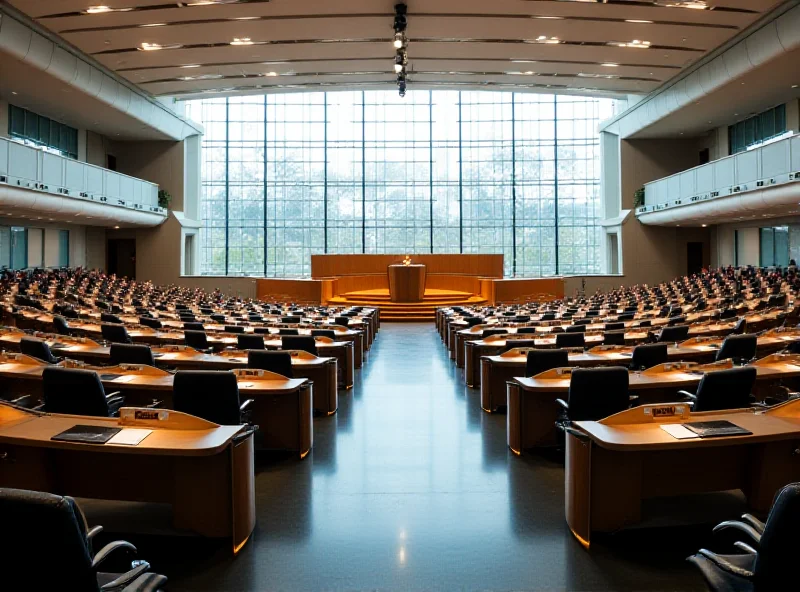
410	486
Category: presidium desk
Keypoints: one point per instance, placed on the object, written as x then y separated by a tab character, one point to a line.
407	283
613	465
203	470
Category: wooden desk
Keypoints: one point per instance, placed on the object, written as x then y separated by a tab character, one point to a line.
407	283
532	410
614	464
183	457
282	408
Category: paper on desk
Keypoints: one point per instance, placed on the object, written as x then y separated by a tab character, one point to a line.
125	378
678	432
129	437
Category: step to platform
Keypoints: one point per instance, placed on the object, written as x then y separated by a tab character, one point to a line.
424	311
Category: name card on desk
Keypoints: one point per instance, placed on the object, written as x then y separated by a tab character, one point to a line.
662	411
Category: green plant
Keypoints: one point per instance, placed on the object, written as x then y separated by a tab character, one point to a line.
638	198
164	198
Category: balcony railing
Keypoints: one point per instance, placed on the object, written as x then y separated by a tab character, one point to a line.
32	168
774	164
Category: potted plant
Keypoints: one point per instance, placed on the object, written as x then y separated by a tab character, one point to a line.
638	198
164	198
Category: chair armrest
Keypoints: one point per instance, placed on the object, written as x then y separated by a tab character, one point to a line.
94	532
115	400
725	565
745	547
244	406
688	395
23	401
754	522
155	404
103	553
114	394
127	577
633	398
563	404
741	526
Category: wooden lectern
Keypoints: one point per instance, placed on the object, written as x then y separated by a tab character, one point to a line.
407	283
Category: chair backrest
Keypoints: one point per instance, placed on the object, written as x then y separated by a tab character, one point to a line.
725	389
728	313
284	331
196	339
740	348
261	330
279	362
777	551
677	333
740	327
55	528
646	323
522	318
472	321
115	334
250	341
576	328
37	348
614	326
676	321
234	329
74	391
526	330
150	322
343	321
291	319
614	338
490	332
220	318
596	393
549	316
647	356
301	342
210	394
193	327
126	353
110	318
583	322
540	360
570	340
323	333
60	323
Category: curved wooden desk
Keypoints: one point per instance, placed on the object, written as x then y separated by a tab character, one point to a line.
183	455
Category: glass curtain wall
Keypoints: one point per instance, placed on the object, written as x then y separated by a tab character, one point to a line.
290	175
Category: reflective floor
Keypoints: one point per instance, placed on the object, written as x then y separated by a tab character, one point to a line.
410	486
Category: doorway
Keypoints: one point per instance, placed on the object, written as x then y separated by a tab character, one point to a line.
694	258
122	257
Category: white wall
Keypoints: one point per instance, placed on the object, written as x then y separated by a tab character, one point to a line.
35	247
747	245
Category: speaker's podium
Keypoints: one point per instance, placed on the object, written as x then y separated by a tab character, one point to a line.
407	282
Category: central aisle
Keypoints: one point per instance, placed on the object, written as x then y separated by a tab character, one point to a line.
410	486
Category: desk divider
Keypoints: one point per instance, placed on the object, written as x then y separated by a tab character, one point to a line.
162	419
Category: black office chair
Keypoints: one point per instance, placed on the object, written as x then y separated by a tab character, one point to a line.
490	332
740	348
470	321
570	340
219	318
125	353
548	316
594	394
234	329
522	318
210	394
646	323
60	323
64	558
614	338
150	322
728	313
115	334
526	331
279	362
723	389
670	334
250	341
197	339
299	342
770	567
37	348
291	320
614	326
288	332
649	355
191	326
541	360
78	392
323	333
261	330
740	327
343	321
110	318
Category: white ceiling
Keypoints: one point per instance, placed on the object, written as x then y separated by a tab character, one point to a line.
308	44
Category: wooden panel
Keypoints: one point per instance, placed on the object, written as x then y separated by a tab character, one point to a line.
323	266
459	283
309	291
525	289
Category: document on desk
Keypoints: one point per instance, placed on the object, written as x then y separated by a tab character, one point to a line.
125	378
129	437
678	432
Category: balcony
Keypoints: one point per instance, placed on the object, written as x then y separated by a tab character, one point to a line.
762	182
34	182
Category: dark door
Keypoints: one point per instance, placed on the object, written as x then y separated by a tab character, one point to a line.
122	257
694	258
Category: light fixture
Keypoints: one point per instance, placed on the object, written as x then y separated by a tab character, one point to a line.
794	86
98	9
154	25
246	18
549	18
150	46
270	74
610	65
401	45
117	227
705	225
640	21
546	39
636	43
191	66
241	41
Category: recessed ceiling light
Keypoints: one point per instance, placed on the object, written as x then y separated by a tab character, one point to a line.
636	43
241	41
705	225
97	9
191	66
246	18
550	18
13	92
270	74
794	86
150	46
117	227
523	61
154	25
639	21
610	65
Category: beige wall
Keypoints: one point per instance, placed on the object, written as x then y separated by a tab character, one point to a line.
157	162
3	118
97	147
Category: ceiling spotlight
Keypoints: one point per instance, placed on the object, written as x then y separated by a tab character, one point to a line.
639	21
154	25
610	65
191	66
151	47
399	40
794	86
400	44
636	43
241	41
98	9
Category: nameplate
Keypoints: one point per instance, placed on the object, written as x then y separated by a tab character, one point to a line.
175	348
73	364
657	412
145	415
249	373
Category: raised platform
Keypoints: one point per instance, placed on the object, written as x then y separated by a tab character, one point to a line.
397	311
